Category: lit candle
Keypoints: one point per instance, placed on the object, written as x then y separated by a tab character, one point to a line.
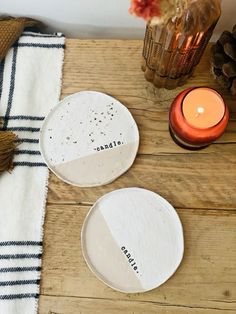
198	116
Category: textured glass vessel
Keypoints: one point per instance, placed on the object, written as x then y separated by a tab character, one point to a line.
173	48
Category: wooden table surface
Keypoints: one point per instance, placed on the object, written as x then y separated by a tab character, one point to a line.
200	185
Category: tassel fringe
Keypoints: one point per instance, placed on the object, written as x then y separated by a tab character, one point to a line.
7	148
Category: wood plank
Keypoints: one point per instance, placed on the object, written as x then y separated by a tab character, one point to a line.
155	137
205	279
113	67
118	73
67	305
187	181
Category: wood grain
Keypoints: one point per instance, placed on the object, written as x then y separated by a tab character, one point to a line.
188	179
201	185
113	67
59	305
192	180
205	279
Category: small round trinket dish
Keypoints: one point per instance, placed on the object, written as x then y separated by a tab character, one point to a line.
89	139
132	240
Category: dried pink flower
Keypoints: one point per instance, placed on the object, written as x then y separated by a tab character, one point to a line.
147	9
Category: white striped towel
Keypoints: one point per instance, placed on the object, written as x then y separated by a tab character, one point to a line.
30	85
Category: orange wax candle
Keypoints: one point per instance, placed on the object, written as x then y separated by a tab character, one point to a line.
198	116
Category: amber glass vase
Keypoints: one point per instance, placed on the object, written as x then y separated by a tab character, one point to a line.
172	49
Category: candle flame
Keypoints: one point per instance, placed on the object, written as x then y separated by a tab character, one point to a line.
200	110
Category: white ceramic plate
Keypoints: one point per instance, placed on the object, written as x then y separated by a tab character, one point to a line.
89	139
132	240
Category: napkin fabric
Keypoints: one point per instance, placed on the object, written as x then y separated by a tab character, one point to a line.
30	85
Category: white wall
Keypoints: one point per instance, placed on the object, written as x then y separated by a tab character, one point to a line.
95	18
228	17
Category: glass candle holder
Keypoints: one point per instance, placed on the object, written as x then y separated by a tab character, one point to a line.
198	116
173	48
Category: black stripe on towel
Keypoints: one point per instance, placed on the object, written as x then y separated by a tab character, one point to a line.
34	45
27	140
33	118
15	243
19	296
12	87
27	152
29	164
19	282
43	35
19	269
19	256
22	129
1	75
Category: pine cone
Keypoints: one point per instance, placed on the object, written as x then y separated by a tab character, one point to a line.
224	60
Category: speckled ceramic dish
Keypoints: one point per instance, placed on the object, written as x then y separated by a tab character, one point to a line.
89	139
132	240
